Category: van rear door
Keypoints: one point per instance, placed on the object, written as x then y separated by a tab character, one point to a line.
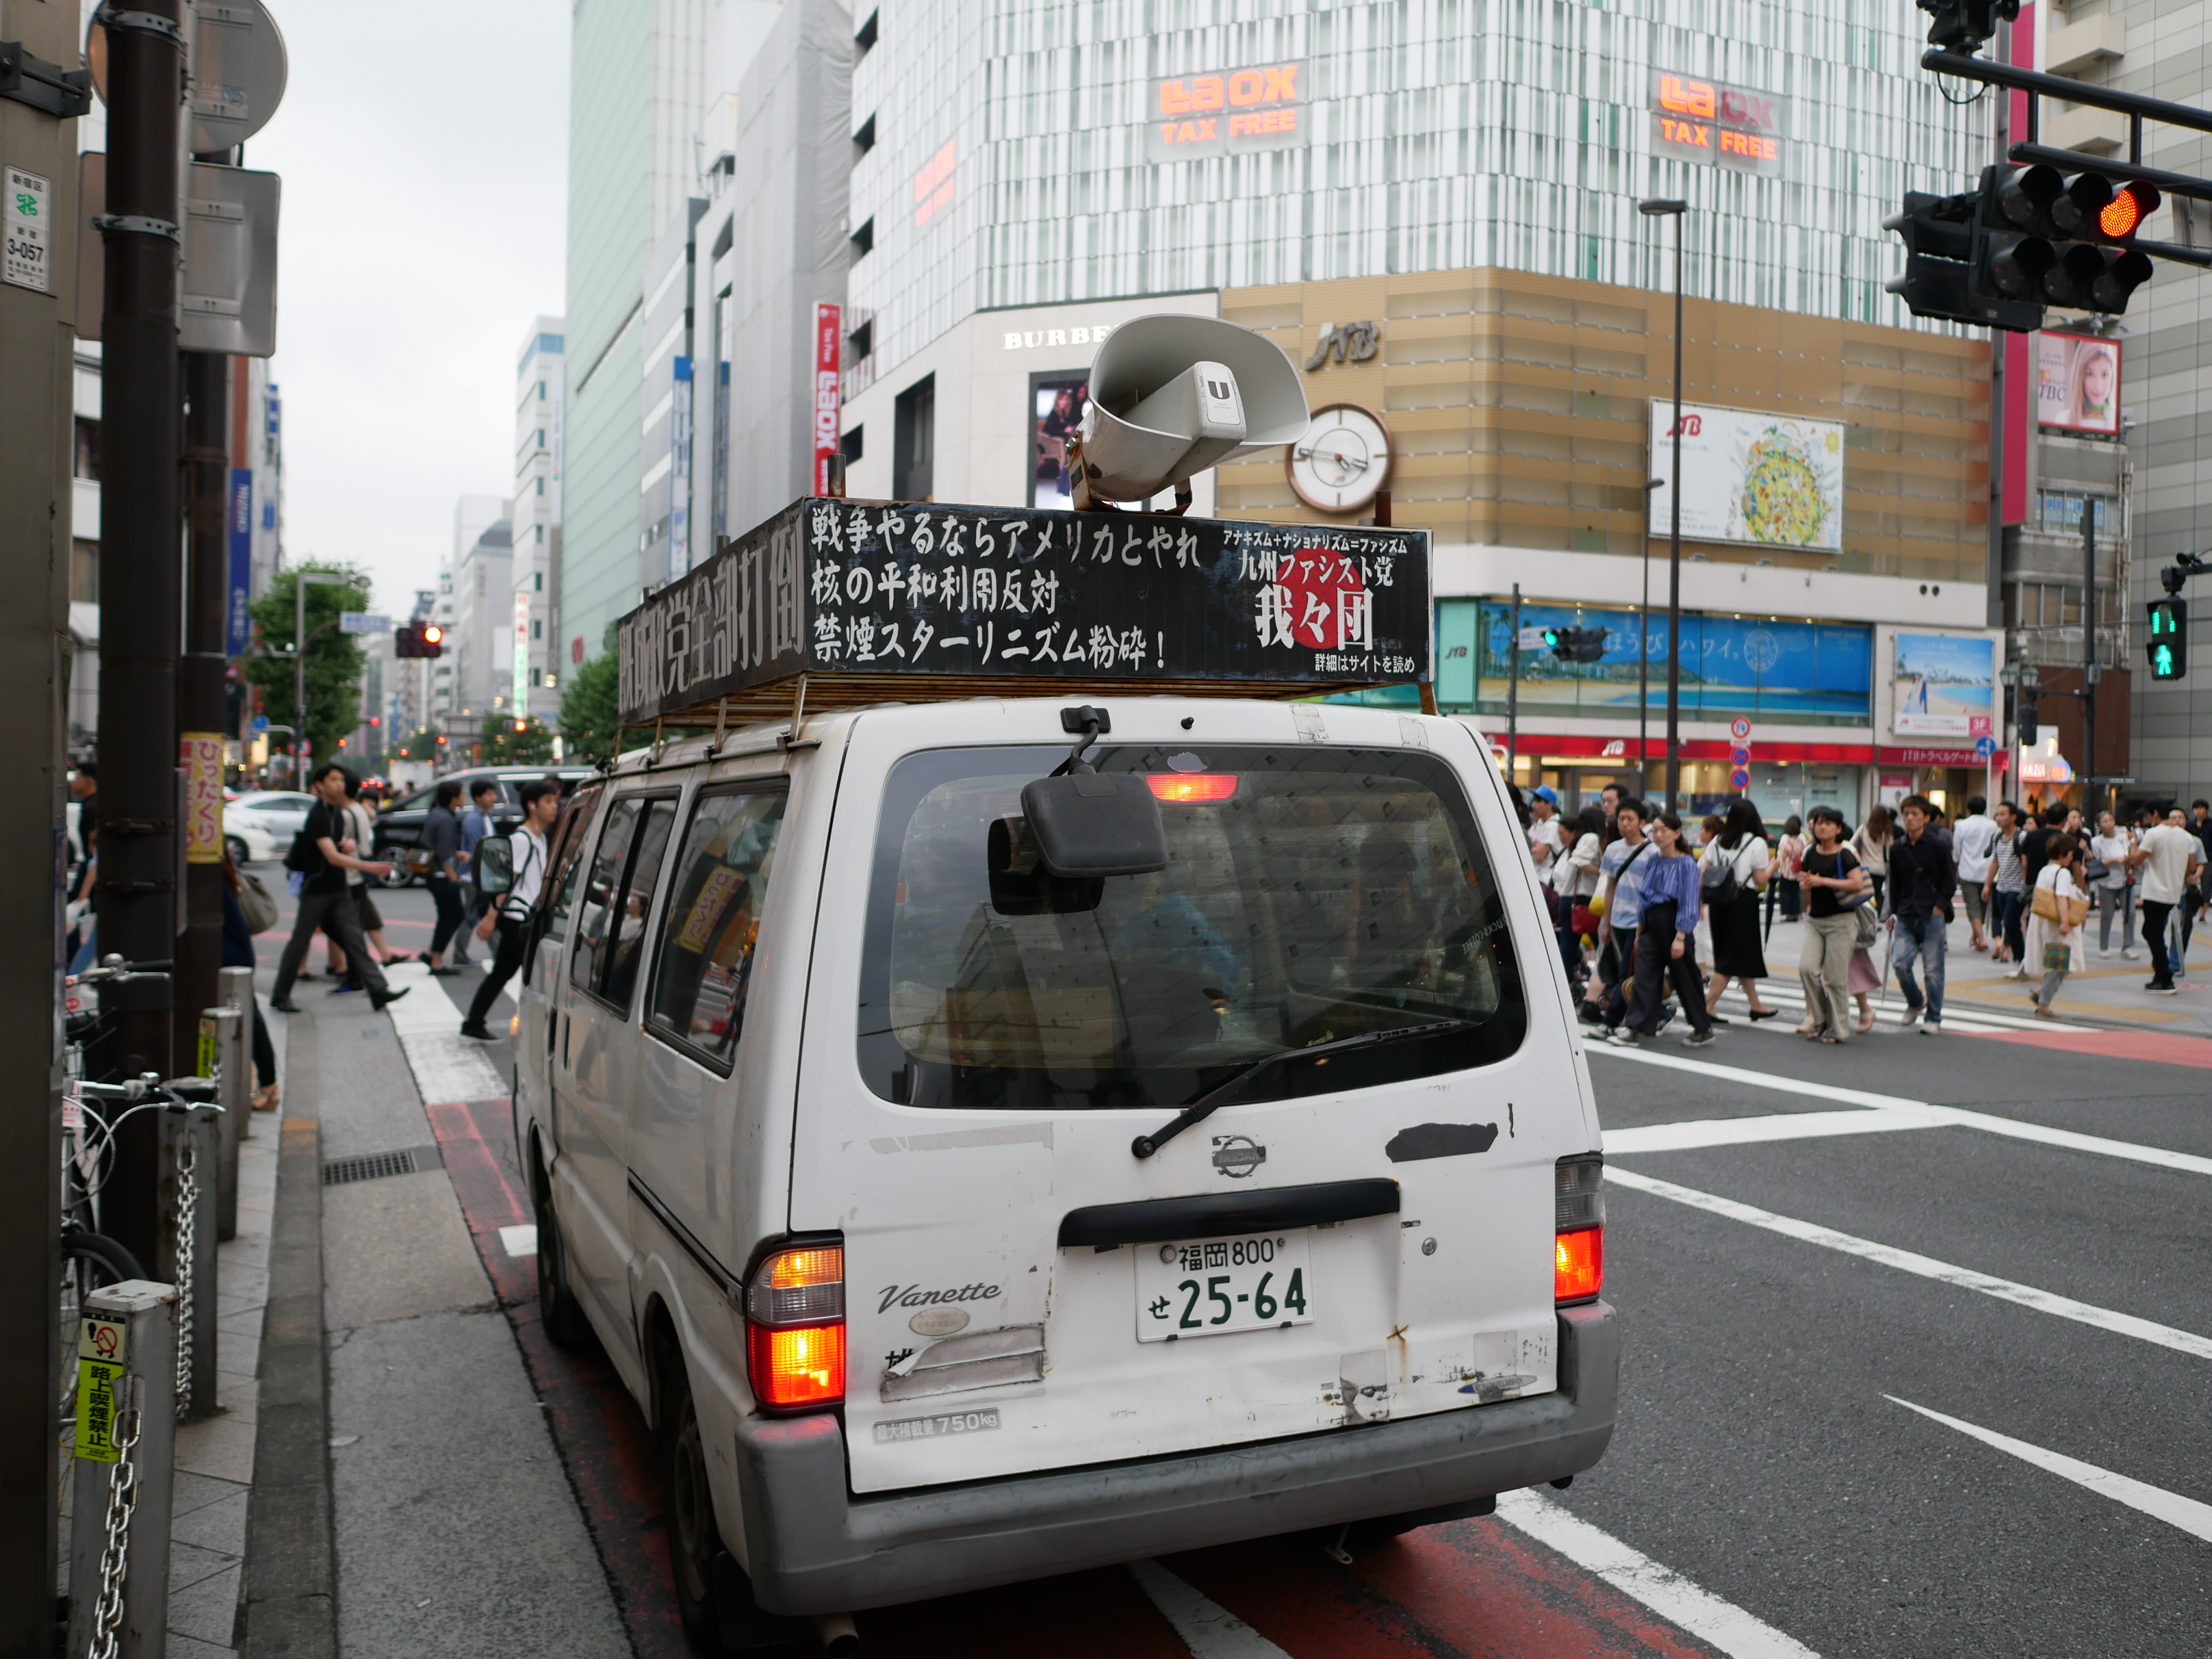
1359	1231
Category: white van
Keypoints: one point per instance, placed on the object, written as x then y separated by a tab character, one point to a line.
860	1140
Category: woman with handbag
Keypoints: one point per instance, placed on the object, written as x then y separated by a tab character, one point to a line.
1834	887
1740	851
2105	869
2058	907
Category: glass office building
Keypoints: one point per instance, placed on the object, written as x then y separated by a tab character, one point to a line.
1046	151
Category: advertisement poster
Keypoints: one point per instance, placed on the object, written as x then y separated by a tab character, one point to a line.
828	402
1765	480
1767	669
1945	686
1056	402
2077	383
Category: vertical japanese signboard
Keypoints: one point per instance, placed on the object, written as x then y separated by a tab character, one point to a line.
238	588
199	757
829	407
26	253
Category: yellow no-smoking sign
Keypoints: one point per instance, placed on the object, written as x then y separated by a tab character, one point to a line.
99	1355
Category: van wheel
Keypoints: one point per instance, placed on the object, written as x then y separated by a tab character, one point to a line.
557	1308
694	1541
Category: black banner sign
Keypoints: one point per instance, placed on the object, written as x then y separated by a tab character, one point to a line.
836	587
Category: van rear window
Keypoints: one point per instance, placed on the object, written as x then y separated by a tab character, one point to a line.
1311	894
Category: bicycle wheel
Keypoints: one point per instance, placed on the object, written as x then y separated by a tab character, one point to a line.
90	1261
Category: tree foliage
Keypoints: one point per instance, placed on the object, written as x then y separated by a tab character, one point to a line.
587	709
333	662
502	745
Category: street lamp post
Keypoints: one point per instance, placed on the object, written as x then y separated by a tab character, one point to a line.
1664	207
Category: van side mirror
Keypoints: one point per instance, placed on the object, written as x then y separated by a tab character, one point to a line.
1086	823
1021	886
492	866
1093	823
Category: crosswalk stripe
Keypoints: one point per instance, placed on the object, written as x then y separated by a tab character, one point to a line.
1722	1624
2186	1513
1751	1131
1209	1630
1951	1116
2005	1289
1962	1016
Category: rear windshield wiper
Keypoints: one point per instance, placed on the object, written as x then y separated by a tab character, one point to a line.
1206	1104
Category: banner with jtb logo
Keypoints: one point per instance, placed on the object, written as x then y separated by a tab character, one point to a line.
894	589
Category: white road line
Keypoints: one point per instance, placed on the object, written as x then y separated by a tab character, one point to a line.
519	1240
1963	1015
447	1066
1209	1630
1667	1593
2186	1513
2027	1296
1949	1116
1747	1131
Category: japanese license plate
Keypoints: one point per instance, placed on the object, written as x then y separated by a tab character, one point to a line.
1212	1287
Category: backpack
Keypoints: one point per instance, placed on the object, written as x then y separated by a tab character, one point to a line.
1717	883
304	858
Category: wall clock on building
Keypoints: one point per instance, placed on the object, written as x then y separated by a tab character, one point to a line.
1342	459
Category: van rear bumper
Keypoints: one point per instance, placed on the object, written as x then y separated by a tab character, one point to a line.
812	1546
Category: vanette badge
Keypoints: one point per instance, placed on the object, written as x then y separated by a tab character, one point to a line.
1236	1156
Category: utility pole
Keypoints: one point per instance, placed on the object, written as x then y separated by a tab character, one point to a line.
2091	797
200	692
1668	207
38	288
1513	691
140	449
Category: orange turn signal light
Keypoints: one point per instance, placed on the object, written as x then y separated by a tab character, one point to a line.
796	1369
1187	787
1578	1265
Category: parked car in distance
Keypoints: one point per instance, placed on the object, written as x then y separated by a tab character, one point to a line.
260	826
400	826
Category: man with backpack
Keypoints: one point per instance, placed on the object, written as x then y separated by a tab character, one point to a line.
325	898
1922	875
510	911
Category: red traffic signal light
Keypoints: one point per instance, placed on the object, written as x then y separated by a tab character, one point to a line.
432	635
424	640
2131	204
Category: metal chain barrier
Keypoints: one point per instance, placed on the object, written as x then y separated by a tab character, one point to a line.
188	1202
115	1553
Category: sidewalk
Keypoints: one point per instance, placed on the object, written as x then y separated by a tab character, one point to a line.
381	1480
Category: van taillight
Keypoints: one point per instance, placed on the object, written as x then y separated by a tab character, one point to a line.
1578	1229
795	1328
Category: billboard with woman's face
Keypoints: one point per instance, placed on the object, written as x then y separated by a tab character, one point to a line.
2077	383
1056	404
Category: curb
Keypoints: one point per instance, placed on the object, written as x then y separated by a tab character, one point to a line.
290	1604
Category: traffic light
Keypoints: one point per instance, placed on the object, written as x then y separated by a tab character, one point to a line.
2030	732
423	639
2169	639
1576	644
1966	25
2030	237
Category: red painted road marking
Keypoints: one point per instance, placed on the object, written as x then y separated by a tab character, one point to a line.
1473	1589
2160	1048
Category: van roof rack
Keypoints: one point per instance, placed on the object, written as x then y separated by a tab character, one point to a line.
831	604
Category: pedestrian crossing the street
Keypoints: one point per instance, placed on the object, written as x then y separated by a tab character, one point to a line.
1889	1012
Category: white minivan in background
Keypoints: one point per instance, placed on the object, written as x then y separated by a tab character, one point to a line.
956	1222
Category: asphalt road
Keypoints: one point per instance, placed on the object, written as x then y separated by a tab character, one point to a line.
1775	1450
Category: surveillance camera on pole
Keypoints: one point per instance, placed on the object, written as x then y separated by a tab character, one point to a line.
1172	395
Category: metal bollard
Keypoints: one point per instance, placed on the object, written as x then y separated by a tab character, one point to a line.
126	1361
234	989
220	1057
189	1151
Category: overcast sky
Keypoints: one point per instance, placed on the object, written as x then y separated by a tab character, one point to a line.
424	153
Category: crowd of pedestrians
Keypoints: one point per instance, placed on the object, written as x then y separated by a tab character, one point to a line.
1628	886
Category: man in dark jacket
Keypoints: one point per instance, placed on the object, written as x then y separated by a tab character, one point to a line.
1922	877
441	840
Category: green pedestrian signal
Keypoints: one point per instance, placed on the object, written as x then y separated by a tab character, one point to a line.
2169	639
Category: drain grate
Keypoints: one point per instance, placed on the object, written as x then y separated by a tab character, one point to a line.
374	1166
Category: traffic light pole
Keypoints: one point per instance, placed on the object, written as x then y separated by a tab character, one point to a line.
1513	691
2090	671
1675	556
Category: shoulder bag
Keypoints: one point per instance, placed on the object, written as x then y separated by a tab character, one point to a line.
256	903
